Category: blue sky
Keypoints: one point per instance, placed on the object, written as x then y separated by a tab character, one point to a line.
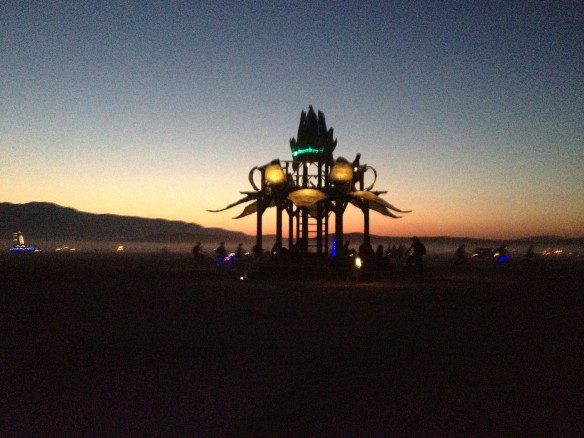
471	112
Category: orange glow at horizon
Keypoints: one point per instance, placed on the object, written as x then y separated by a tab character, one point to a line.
415	223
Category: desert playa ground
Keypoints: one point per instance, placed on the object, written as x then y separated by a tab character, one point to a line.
127	344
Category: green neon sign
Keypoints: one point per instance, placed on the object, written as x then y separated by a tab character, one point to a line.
308	150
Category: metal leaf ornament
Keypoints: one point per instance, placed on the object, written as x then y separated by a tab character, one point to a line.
251	196
376	203
251	209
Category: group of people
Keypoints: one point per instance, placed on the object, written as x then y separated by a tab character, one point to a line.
371	259
220	251
379	259
501	254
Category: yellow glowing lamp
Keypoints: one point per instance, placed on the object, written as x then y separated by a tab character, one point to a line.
306	197
274	175
342	172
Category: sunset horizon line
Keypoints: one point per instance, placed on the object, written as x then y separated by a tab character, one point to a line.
552	236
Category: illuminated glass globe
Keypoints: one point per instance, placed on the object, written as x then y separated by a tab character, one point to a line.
341	172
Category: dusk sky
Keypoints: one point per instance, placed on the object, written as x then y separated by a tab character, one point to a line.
471	112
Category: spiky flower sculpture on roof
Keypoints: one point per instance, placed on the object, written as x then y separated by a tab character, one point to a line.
311	186
314	142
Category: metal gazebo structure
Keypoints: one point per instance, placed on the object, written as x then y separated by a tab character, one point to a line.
309	188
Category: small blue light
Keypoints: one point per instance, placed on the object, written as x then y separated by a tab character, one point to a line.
23	249
503	258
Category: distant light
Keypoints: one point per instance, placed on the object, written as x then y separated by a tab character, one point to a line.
24	249
120	248
358	262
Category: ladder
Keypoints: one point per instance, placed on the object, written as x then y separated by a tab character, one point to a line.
311	231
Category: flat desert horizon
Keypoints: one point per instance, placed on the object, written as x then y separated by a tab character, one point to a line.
439	246
98	344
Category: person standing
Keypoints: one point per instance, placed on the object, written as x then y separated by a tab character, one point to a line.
221	251
461	256
197	251
240	251
419	251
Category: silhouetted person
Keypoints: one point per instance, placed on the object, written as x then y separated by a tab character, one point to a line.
276	249
401	250
197	251
367	255
461	253
350	251
240	251
419	251
530	254
346	250
220	250
257	250
366	250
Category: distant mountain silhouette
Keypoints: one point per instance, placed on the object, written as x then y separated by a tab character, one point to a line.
42	221
47	221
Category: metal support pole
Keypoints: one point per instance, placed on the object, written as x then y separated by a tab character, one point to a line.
326	230
319	213
339	224
304	230
290	211
366	220
260	212
279	226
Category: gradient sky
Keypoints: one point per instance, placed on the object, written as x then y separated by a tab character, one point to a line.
471	112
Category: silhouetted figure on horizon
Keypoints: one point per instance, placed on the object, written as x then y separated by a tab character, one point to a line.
346	250
366	250
276	249
501	253
419	251
401	250
197	251
461	253
240	251
367	255
530	254
257	250
220	250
